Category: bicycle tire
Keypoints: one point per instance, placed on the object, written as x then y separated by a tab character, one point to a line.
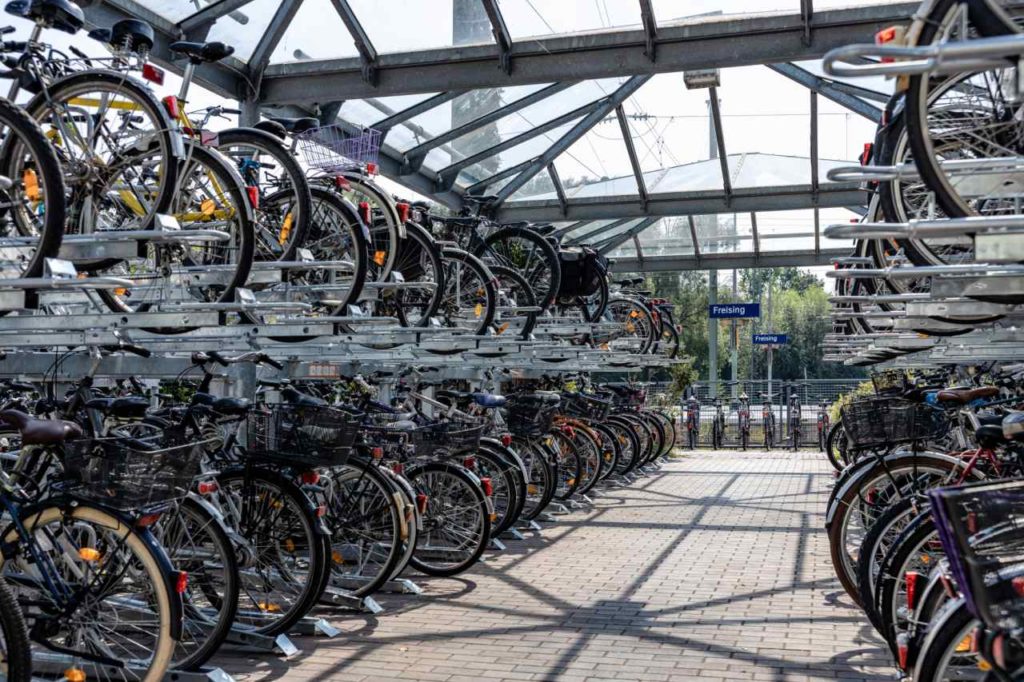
540	487
484	299
497	246
877	543
592	460
569	465
611	450
514	290
17	663
419	260
24	130
386	229
949	628
892	577
516	469
487	464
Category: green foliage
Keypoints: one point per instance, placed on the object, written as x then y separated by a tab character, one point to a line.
863	389
682	376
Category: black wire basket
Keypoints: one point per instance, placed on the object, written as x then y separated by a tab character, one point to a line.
302	435
455	434
981	527
586	406
530	416
873	423
132	474
890	381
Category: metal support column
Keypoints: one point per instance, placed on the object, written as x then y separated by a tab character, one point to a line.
735	340
712	336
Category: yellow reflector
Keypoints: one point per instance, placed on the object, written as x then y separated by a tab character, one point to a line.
925	559
336	557
965	644
208	207
289	545
379	257
630	327
984	665
269	607
120	291
531	489
74	675
286	229
31	182
634	314
503	328
89	554
604	346
494	517
478	309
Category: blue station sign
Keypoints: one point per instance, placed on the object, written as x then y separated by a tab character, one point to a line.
770	339
734	310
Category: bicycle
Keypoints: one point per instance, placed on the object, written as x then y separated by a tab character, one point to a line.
718	424
692	422
768	420
823	424
743	421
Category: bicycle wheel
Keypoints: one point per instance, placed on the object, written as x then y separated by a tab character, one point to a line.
629	444
515	298
540	487
962	117
568	463
196	543
835	446
419	261
125	609
366	526
611	450
514	469
282	559
635	328
591	461
949	651
457	520
488	466
876	544
15	648
917	549
211	197
32	209
528	253
120	170
284	205
470	296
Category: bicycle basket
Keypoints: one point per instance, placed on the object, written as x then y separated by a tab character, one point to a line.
454	435
889	381
330	149
530	416
885	422
303	436
981	527
586	406
132	474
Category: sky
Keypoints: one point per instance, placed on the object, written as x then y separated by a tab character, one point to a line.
762	111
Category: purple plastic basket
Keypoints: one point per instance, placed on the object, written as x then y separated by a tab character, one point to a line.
331	149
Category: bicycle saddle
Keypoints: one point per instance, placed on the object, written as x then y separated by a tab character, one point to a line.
989	435
41	431
298	399
489	400
131	407
296	125
62	15
228	406
138	33
272	127
963	396
198	53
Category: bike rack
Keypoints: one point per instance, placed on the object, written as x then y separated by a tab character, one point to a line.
945	58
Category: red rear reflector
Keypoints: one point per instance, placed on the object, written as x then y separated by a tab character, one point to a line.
341	182
972	522
902	650
208	487
485	483
469	462
911	578
148	520
999	650
254	196
947	586
171	104
153	74
865	155
398	468
506	439
377	453
1018	585
403	211
421	503
181	583
321	511
371	168
364	212
886	35
310	477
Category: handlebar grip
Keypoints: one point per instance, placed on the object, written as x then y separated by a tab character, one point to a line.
218	358
271	361
231	111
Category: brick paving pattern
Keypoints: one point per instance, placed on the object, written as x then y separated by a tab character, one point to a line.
715	568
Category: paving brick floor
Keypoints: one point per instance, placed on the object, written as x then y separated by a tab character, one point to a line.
716	568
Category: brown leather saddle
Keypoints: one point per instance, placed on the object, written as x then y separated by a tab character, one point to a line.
41	431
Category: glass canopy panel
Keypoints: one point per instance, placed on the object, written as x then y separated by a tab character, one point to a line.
244	35
597	164
361	112
614	232
316	32
590	226
723	233
177	10
627	249
670	236
409	25
467	107
534	18
522	152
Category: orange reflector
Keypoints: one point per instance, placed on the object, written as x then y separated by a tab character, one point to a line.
120	291
886	35
379	257
268	607
89	554
74	675
478	309
208	207
336	557
289	544
286	229
31	182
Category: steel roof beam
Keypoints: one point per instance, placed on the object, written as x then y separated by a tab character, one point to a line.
723	159
743	200
728	261
579	239
197	25
415	110
567	140
501	35
272	36
559	190
844	97
574	226
364	46
753	230
609	245
450	172
693	237
715	42
634	161
416	155
650	25
479	187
